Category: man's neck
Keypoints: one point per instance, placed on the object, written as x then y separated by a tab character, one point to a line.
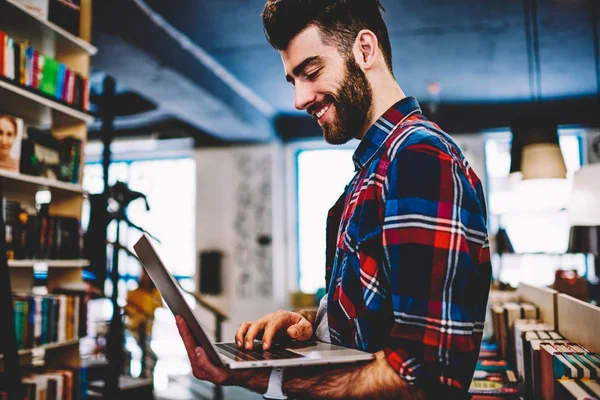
385	94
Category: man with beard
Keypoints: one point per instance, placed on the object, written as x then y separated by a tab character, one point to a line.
408	267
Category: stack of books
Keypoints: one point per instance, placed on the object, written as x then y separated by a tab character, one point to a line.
24	65
525	358
41	320
568	371
50	384
493	377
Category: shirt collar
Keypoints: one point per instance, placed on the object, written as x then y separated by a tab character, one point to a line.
380	130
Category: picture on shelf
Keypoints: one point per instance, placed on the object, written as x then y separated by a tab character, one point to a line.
11	134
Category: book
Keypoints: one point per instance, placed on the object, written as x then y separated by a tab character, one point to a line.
492	365
495	383
2	54
9	57
20	69
41	320
522	326
577	389
51	384
564	360
512	312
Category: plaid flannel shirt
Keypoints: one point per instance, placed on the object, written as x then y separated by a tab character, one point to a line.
408	261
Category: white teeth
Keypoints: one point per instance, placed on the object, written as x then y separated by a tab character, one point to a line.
322	111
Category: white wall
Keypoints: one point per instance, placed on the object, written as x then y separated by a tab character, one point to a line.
240	198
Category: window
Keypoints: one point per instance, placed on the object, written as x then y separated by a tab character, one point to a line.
533	214
322	177
170	186
167	176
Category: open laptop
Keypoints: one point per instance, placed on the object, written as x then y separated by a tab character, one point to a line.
225	355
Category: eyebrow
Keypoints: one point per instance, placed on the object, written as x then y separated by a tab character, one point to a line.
300	67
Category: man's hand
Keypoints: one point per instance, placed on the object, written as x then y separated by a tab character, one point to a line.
202	366
294	324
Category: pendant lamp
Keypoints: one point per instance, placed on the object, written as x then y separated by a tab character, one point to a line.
535	149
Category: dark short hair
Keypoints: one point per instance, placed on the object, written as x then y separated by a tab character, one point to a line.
339	20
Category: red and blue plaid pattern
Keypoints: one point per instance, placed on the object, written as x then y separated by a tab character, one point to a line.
408	268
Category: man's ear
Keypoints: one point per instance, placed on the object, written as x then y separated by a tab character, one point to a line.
365	49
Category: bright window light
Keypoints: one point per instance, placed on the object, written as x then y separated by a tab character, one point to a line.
322	177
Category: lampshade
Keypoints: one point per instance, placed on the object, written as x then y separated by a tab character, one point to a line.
584	203
584	239
535	149
543	161
503	244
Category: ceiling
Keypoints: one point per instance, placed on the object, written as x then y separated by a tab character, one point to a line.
229	83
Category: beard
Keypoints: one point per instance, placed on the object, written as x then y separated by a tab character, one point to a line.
353	106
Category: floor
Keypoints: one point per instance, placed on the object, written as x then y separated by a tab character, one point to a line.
186	387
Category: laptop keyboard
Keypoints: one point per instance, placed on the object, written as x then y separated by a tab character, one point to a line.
256	354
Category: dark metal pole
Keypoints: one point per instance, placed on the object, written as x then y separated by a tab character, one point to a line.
218	392
115	335
108	118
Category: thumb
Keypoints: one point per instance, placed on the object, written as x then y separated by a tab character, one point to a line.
303	330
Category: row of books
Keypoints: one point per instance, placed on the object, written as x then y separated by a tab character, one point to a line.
35	234
50	384
42	154
24	65
493	377
41	320
547	365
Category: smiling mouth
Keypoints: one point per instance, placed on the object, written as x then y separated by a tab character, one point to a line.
320	113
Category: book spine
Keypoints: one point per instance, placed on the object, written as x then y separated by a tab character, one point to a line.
55	316
38	320
62	318
45	314
76	315
20	307
70	309
2	51
9	58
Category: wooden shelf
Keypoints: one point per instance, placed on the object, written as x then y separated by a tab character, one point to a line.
49	346
17	21
51	263
45	347
26	185
37	109
579	321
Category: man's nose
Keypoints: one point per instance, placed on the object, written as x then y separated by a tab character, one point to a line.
303	96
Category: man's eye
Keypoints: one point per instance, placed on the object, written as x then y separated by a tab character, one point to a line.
313	76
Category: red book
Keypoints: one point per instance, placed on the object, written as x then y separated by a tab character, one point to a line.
38	67
2	52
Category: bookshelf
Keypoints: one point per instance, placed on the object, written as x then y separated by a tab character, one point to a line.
25	25
544	298
49	263
17	183
579	321
32	106
46	347
63	120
